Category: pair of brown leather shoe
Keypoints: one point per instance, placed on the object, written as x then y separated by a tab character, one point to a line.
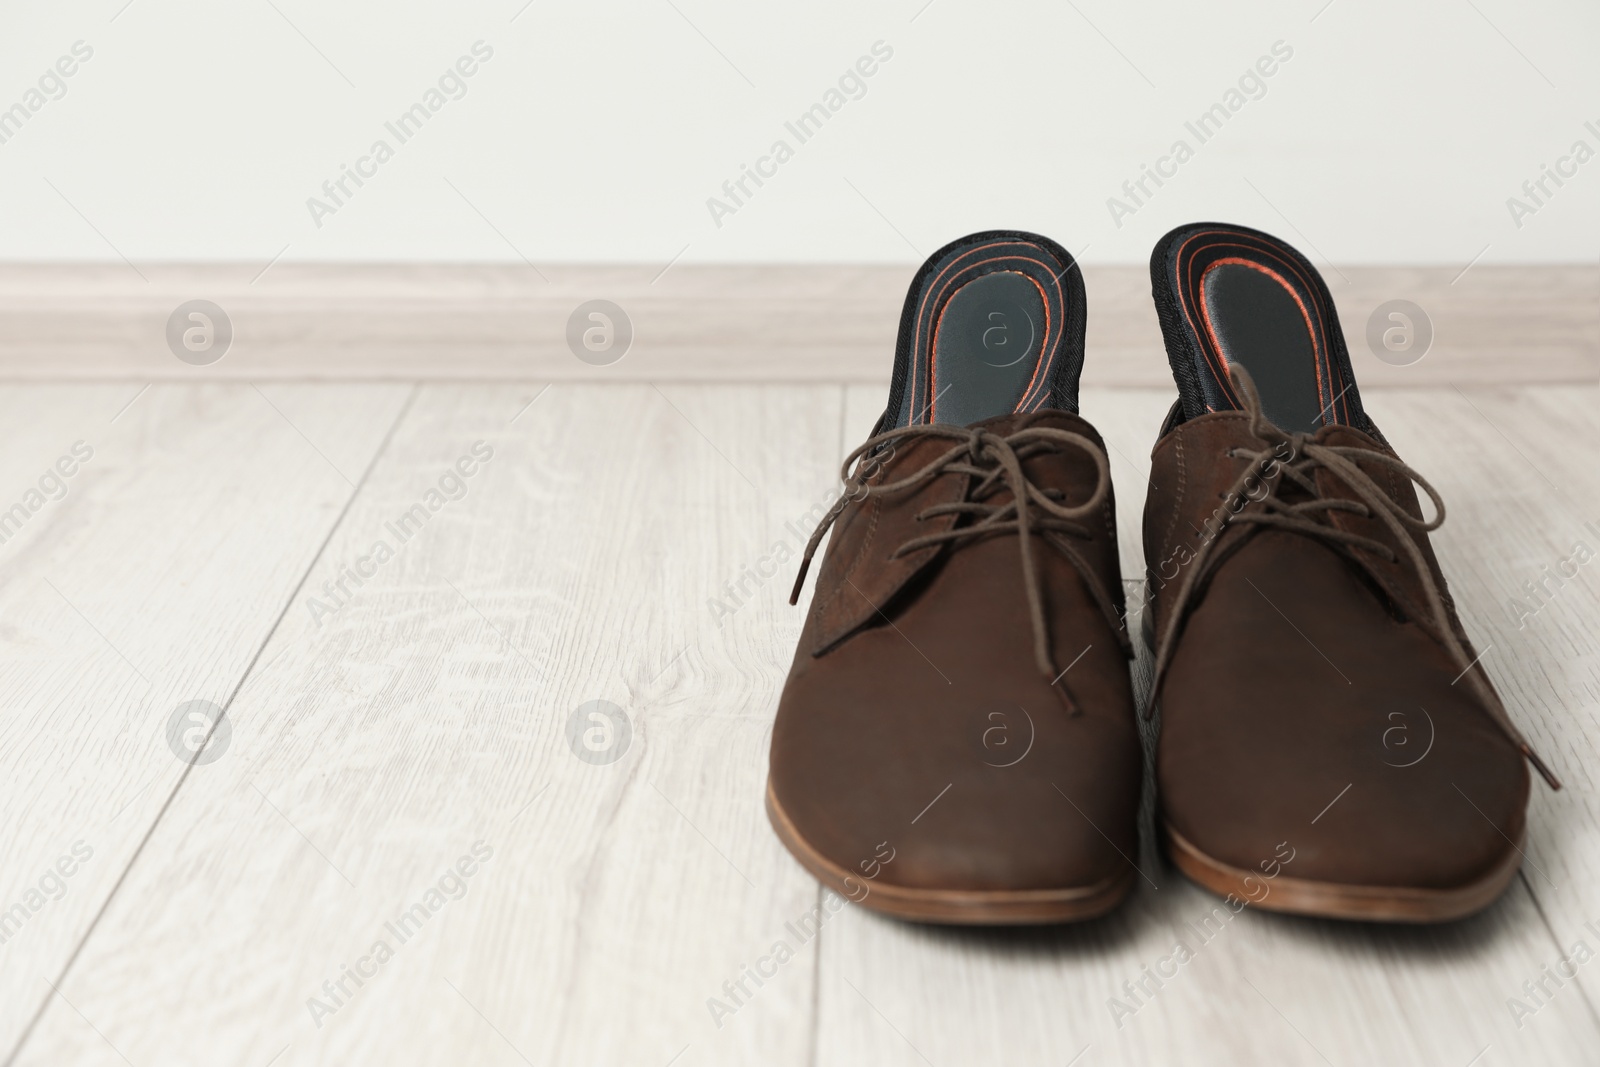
957	739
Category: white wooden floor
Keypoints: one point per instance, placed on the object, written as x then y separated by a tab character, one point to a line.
370	748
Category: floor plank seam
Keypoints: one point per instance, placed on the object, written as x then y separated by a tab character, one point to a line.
244	677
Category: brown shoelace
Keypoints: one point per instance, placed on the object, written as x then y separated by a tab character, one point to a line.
1302	516
995	460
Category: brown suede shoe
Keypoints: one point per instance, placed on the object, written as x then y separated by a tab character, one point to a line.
956	741
1330	743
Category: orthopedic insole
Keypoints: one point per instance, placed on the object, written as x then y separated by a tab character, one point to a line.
993	324
1227	294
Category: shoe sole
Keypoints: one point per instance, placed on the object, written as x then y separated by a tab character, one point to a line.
967	907
1336	900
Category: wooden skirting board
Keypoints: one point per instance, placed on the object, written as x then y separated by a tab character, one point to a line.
734	323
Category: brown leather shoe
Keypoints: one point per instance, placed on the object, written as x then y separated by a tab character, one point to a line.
1330	743
956	741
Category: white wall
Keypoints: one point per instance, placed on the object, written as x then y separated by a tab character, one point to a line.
597	131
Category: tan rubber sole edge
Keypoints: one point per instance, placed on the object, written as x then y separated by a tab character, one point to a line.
974	907
1333	900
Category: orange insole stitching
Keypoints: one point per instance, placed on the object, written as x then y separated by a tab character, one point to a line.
1216	361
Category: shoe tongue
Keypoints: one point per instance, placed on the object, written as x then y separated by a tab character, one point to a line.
1054	418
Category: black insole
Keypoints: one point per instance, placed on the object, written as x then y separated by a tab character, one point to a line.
992	325
986	347
1228	295
1259	323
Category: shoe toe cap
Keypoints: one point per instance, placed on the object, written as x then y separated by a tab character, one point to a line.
1352	810
1050	805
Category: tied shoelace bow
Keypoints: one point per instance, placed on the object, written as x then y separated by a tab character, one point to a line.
995	461
1305	454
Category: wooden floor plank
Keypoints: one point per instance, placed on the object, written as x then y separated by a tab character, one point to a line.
431	711
190	514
